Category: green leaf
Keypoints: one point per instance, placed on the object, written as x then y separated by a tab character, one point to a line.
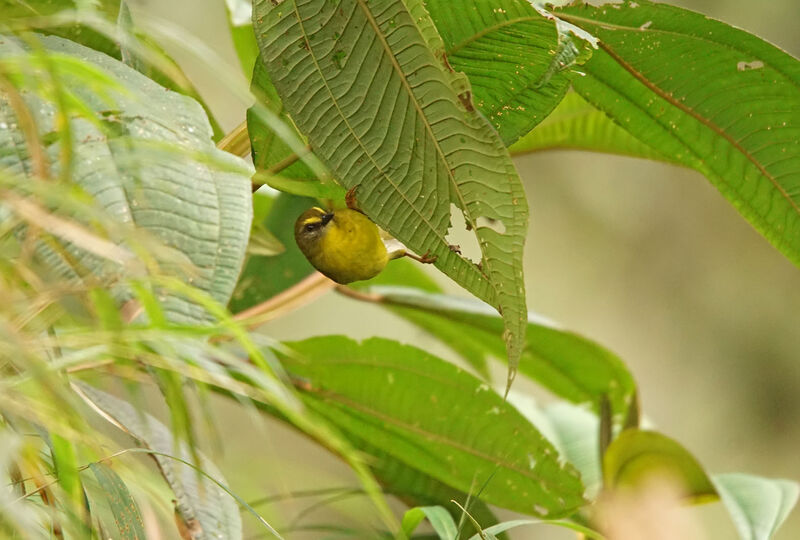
440	519
367	84
436	418
269	148
576	125
207	510
416	488
147	158
265	276
240	13
584	532
706	95
566	363
636	455
303	188
517	62
123	506
574	432
757	505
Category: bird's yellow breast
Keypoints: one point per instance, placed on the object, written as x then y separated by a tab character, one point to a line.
349	249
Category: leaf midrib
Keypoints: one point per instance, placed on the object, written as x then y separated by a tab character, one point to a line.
335	397
639	76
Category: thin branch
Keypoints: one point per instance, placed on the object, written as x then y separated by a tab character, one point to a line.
292	298
236	142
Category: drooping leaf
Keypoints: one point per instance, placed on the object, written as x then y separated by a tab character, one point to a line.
584	532
147	157
436	418
438	516
576	125
206	510
123	506
367	84
636	455
758	506
707	95
566	363
517	61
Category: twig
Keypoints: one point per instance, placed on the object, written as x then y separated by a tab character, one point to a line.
295	296
236	142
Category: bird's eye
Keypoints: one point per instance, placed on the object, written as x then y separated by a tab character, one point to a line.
310	227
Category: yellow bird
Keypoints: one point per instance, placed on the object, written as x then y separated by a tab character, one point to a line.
344	244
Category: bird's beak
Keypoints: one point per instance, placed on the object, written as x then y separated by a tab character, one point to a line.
326	218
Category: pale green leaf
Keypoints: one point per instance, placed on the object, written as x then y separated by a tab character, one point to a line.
147	158
708	96
123	506
367	84
436	418
205	506
758	506
583	532
439	518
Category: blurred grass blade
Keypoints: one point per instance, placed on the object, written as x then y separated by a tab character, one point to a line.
439	518
207	511
426	413
576	125
636	455
411	144
706	95
519	65
758	506
566	363
241	27
123	506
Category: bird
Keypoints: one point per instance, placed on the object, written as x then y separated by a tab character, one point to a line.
344	244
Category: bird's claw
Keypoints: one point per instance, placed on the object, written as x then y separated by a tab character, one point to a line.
350	199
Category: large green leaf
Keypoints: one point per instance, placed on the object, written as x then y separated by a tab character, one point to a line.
146	156
206	510
517	62
576	125
436	418
706	95
758	506
366	82
566	363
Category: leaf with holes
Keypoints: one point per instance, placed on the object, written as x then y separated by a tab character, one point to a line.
146	156
368	84
708	96
519	63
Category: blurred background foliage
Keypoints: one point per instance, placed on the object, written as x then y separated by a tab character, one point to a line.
646	258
